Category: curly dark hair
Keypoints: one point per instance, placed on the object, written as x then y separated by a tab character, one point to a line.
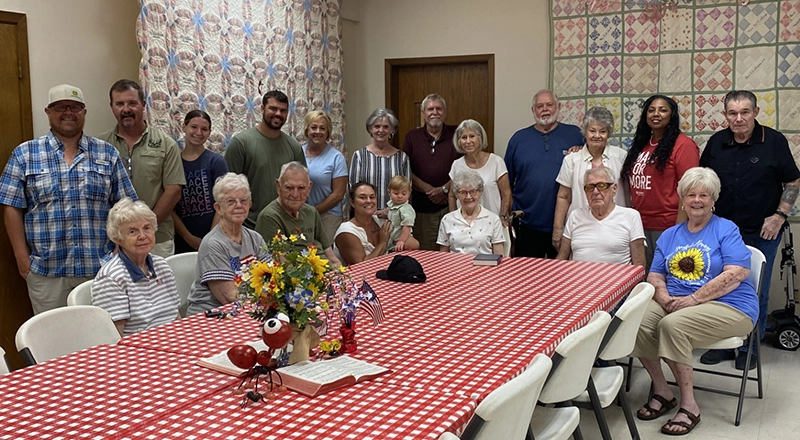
643	134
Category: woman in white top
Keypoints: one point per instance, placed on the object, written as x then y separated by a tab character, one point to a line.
470	139
471	229
364	236
598	124
603	232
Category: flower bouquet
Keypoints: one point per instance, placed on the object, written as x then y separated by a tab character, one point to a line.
289	280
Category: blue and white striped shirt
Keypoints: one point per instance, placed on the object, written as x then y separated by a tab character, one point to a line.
66	206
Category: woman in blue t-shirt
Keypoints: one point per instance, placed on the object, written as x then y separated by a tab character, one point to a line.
703	295
194	214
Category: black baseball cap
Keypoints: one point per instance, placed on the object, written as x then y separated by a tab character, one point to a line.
404	269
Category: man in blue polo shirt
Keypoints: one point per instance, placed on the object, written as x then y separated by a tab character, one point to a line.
760	183
533	159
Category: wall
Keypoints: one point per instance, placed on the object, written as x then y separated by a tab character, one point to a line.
516	31
86	43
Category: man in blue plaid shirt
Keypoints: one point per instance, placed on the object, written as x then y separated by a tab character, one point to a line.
56	192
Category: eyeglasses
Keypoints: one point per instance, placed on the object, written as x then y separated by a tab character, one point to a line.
471	193
128	160
433	145
61	108
602	186
230	203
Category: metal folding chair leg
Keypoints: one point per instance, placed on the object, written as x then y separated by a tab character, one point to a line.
598	410
626	409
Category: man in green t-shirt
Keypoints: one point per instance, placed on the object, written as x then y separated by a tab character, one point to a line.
290	214
259	152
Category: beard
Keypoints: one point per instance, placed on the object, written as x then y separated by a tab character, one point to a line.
552	119
274	122
67	130
434	123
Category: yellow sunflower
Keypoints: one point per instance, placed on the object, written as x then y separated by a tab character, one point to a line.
259	273
687	265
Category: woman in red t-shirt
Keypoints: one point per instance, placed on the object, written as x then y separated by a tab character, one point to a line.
656	161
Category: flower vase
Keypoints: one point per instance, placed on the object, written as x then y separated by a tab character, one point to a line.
303	340
348	334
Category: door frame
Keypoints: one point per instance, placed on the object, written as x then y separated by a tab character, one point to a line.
21	22
393	65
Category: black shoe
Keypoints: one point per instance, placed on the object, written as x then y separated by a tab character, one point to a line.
713	357
742	358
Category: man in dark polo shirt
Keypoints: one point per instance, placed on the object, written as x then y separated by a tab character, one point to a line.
430	150
760	183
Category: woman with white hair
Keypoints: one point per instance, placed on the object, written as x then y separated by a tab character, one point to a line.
603	232
137	288
470	140
703	295
379	161
224	249
471	229
597	126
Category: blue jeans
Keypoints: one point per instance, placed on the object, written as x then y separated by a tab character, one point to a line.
770	249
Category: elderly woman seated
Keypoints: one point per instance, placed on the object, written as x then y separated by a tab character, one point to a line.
603	232
702	295
225	247
471	229
137	288
365	236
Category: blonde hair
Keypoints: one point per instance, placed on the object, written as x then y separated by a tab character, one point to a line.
398	183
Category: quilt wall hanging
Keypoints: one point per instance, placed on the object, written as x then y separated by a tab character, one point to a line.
616	54
222	55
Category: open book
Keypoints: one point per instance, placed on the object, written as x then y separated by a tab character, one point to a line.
220	362
315	378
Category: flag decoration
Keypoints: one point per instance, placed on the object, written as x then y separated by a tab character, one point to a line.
371	304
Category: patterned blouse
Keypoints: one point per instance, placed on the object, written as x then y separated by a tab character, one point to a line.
365	166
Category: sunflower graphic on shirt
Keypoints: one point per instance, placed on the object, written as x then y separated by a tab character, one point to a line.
690	263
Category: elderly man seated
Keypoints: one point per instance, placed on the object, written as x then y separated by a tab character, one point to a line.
290	214
136	287
703	295
603	232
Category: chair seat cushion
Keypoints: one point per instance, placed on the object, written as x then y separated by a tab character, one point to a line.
732	342
608	381
554	423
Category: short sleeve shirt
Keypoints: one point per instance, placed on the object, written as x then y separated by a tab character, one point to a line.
329	165
471	238
308	222
607	240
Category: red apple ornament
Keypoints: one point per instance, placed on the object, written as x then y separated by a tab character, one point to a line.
277	332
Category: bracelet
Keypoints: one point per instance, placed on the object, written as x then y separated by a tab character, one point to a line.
782	214
695	298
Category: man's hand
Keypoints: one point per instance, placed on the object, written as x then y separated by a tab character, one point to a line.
437	195
556	240
24	267
574	149
771	227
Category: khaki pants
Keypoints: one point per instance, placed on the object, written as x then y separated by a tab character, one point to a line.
330	223
426	228
673	336
47	293
164	249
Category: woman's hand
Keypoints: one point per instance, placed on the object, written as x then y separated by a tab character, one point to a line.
385	232
676	303
382	213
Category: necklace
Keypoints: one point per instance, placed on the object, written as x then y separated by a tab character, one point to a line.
652	144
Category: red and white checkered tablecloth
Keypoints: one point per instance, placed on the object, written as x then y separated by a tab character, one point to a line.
364	411
100	392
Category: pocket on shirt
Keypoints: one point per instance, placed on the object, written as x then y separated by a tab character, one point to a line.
151	161
43	186
98	184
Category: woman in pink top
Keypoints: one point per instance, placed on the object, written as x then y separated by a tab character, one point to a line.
656	161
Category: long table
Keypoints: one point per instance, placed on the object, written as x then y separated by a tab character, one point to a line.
449	342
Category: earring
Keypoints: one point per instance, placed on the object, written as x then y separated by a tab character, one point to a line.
682	208
713	208
391	136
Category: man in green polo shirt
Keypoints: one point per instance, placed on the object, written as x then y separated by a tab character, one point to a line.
151	157
290	214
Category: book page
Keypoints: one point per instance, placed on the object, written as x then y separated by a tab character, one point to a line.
220	361
357	368
331	370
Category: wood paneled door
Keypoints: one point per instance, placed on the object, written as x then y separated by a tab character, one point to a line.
16	126
465	82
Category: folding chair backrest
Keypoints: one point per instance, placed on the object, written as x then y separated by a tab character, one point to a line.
81	295
184	266
758	263
506	412
573	360
64	330
3	363
621	334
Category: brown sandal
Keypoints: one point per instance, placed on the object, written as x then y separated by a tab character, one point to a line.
694	419
666	405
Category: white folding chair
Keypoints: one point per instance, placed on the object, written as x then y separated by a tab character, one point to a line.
506	412
64	330
569	377
81	295
184	266
605	383
3	363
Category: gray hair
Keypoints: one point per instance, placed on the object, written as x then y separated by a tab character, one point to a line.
473	126
467	178
604	170
380	114
433	97
740	95
293	166
228	183
598	115
555	98
701	177
126	211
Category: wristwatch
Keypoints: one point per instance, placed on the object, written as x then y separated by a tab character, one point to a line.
445	189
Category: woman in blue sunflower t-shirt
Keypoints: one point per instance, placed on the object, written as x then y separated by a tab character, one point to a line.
703	295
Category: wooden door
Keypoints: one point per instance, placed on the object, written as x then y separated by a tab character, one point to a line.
465	82
16	126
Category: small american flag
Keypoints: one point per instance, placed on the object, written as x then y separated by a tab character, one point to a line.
371	304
